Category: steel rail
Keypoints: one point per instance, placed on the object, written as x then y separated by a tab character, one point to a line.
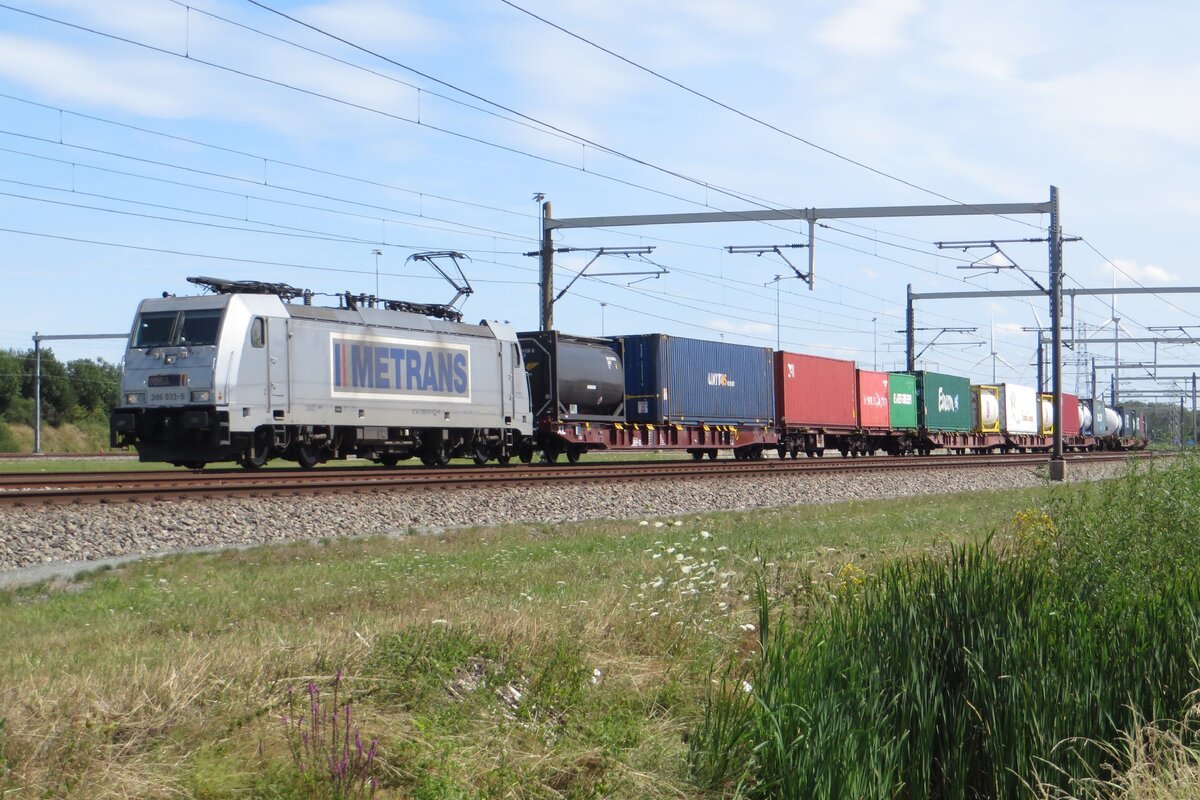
33	489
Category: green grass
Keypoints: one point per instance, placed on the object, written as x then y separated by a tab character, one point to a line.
533	661
550	661
985	673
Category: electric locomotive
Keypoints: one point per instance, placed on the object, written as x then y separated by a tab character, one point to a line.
245	374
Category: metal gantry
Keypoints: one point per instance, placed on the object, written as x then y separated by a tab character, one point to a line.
811	215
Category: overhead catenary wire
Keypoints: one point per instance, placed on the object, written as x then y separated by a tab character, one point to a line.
398	117
867	253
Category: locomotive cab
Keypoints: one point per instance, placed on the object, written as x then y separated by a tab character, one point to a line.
188	360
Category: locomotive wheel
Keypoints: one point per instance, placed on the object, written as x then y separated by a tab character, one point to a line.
435	456
712	455
389	459
782	451
696	454
255	457
573	454
549	456
481	455
504	458
307	455
525	452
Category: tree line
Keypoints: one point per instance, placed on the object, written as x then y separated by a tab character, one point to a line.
70	392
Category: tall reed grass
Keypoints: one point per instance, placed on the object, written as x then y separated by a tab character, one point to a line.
987	673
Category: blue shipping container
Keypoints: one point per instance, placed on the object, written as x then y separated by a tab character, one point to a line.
687	381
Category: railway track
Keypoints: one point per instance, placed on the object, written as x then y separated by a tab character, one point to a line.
34	489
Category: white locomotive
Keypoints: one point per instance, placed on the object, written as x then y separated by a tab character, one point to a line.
246	374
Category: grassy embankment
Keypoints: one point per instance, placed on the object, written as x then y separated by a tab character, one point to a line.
88	435
1007	668
535	661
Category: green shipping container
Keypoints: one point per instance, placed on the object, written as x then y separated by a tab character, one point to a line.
945	401
903	390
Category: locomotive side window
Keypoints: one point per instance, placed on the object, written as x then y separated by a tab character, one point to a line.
200	326
258	336
154	329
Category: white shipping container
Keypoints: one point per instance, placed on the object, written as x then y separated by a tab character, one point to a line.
1019	405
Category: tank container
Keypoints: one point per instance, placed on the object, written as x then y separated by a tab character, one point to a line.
573	378
1085	416
1105	421
1045	413
985	408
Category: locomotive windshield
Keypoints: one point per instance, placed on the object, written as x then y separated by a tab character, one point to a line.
177	328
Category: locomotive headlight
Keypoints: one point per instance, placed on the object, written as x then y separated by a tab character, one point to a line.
135	398
201	396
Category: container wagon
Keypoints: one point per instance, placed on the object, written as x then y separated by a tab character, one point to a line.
698	395
816	403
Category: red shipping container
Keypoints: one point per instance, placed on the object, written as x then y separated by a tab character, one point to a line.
1070	415
814	392
874	404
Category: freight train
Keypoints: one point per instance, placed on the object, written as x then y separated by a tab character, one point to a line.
248	374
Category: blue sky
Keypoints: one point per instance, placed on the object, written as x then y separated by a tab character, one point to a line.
234	142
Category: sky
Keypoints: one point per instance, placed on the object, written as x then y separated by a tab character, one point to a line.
147	141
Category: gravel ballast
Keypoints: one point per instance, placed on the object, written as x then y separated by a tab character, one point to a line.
43	542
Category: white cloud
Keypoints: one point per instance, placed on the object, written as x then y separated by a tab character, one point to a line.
875	28
94	78
1126	271
162	24
382	25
